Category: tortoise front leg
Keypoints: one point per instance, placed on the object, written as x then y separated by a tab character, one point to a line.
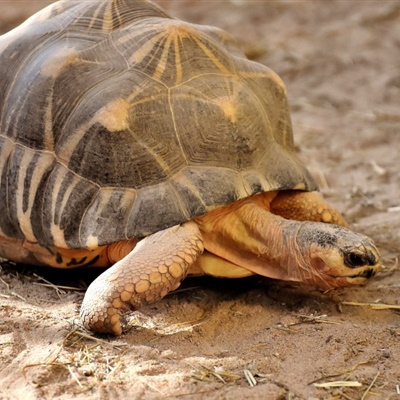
157	265
306	206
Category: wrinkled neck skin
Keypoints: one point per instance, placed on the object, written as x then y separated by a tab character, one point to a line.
248	235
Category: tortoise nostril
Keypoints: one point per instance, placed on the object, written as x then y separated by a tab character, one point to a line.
354	260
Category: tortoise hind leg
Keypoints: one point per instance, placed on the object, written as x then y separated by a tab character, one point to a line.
154	267
306	206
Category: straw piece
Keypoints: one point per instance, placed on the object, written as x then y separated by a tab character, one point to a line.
338	384
374	306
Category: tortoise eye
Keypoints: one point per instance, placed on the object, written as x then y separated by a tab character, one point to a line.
354	260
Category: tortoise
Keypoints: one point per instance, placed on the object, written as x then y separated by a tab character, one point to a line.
136	141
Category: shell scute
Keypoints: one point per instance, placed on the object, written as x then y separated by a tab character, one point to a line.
107	215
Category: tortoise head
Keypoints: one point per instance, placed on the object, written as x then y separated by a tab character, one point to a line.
337	256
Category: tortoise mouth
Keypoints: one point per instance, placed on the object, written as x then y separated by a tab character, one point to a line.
366	273
362	275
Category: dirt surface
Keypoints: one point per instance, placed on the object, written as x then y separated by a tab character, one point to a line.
340	61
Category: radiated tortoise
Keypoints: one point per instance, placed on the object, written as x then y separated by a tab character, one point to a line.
135	140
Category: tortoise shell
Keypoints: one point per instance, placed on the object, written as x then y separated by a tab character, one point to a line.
118	121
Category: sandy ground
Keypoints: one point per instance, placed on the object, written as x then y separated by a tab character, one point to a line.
340	61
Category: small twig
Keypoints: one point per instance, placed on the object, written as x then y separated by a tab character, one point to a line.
183	290
152	387
346	396
75	378
338	384
44	364
52	357
341	372
374	306
12	293
19	296
370	386
87	336
378	169
49	284
288	328
317	318
61	288
250	378
205	375
218	376
114	369
5	284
